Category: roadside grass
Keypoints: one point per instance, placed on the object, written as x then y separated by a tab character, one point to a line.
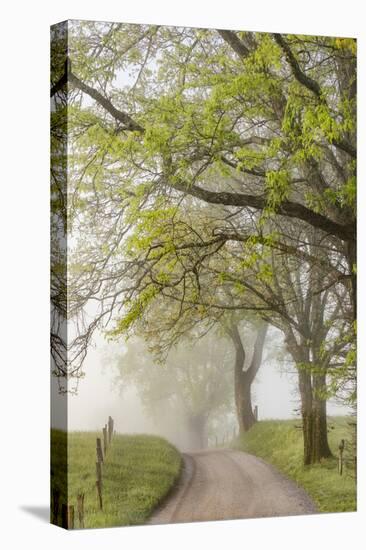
138	473
281	444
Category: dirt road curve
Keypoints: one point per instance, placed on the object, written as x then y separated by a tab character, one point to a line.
227	484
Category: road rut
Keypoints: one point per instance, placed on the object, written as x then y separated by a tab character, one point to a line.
226	484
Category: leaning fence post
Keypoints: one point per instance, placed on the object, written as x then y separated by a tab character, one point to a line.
105	439
80	503
340	457
67	520
99	493
99	483
99	471
99	450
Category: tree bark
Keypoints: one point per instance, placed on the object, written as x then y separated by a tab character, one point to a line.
314	418
306	395
313	404
320	447
243	401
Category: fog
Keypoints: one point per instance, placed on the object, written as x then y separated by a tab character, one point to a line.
274	392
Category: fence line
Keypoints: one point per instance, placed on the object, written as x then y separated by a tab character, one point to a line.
68	510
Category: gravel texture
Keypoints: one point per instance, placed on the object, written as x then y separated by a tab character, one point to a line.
228	484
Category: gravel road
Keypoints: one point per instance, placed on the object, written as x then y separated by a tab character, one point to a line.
226	484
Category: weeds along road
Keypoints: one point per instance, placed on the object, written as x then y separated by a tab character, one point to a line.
226	484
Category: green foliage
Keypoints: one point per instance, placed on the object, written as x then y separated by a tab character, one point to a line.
346	44
277	188
135	310
151	226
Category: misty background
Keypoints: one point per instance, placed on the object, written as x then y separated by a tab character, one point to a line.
98	396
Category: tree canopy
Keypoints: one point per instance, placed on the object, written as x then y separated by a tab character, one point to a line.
208	171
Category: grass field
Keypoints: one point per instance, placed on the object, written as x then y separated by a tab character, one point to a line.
138	473
280	443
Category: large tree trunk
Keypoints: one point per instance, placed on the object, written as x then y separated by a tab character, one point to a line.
313	406
306	395
243	399
320	446
314	416
243	379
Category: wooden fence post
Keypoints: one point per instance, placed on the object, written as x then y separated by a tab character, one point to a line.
105	439
340	457
256	412
99	450
67	520
99	471
80	503
55	505
110	428
99	483
99	493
